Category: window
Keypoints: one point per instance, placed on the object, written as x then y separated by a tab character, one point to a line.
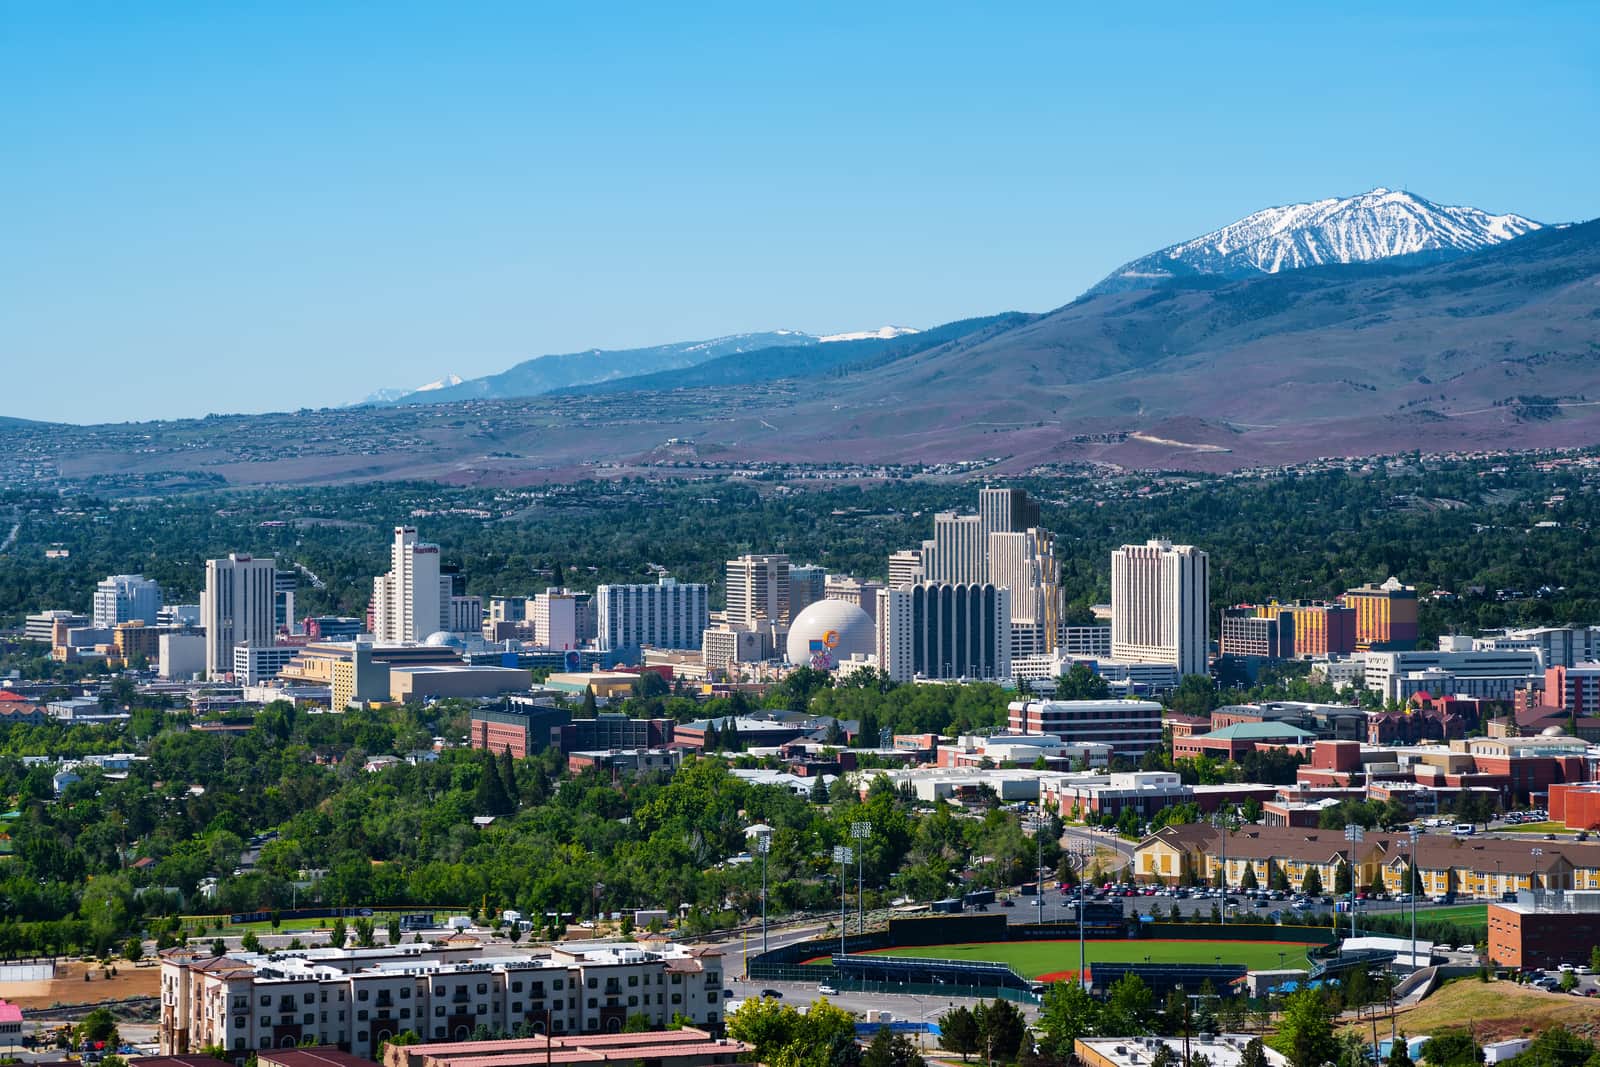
308	1018
438	1012
266	1042
239	1021
594	983
341	1015
711	996
324	1016
266	1020
438	1031
438	990
516	987
266	1002
238	1042
364	994
483	1009
677	979
677	998
309	998
324	996
483	987
405	992
362	1036
361	1016
559	984
405	1013
633	979
633	1002
593	1003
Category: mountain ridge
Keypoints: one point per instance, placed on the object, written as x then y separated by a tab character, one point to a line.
1379	224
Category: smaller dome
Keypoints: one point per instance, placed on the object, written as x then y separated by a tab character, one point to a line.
1551	731
444	639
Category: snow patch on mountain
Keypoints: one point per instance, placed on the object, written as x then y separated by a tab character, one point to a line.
882	333
1378	224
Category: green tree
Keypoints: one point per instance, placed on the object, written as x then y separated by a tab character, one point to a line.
1311	884
1452	1048
133	950
1081	683
337	933
1001	1029
1067	1013
888	1049
636	1024
1305	1030
394	929
589	710
1399	1054
1129	1008
508	773
250	942
1250	810
219	947
98	1025
958	1031
1254	1054
1249	880
1341	879
1569	981
819	791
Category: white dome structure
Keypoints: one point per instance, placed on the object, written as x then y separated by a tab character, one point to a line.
444	639
829	632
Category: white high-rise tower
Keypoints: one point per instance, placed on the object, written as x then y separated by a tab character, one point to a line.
1160	594
413	599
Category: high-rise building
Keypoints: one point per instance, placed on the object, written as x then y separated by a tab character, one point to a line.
554	614
236	608
758	588
1159	605
664	615
1386	616
284	585
1245	632
466	614
413	599
1320	629
807	585
126	598
938	630
1007	510
959	551
1024	561
905	567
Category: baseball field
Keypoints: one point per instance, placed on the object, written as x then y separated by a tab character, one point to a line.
1053	960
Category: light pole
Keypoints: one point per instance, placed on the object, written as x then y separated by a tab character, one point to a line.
1411	890
1353	834
860	831
1222	832
762	833
842	855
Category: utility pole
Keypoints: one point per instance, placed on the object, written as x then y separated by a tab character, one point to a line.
860	831
763	836
1411	889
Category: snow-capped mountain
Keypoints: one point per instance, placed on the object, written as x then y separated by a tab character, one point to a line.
1375	225
443	383
391	396
882	333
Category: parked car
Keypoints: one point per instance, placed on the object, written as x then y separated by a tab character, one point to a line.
775	994
827	990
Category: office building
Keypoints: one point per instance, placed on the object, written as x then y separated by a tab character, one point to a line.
1245	633
415	684
126	598
1386	616
1130	727
613	730
331	627
758	589
185	615
526	725
941	631
1575	689
723	648
506	614
905	568
807	585
1451	669
254	664
236	608
41	627
1320	629
412	601
664	615
135	640
284	584
1160	595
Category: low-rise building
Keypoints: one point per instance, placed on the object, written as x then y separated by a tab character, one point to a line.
1543	929
686	1047
1218	1050
1130	727
355	999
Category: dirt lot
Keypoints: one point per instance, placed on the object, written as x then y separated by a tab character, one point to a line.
68	986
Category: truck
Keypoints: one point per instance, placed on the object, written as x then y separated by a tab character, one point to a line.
948	906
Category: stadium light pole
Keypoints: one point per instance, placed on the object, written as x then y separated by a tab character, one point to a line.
763	838
1355	835
1411	890
860	830
842	855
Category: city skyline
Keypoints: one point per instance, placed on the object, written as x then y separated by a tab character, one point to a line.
358	205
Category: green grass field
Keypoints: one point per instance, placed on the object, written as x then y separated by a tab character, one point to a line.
1035	958
1465	914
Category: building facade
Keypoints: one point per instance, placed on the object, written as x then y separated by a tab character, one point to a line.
126	598
758	590
1160	595
664	615
1130	727
413	599
237	608
1386	616
940	631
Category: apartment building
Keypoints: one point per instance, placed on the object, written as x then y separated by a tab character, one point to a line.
1160	594
1386	616
355	999
664	615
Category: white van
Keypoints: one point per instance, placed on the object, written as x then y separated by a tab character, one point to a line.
1465	829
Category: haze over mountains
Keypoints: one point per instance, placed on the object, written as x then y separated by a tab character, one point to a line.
1437	328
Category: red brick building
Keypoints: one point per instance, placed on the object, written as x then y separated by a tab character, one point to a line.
1531	935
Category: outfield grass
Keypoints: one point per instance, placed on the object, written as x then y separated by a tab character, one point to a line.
1546	827
1035	958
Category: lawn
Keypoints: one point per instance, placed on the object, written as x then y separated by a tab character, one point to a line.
1035	958
1537	828
1465	914
1497	1010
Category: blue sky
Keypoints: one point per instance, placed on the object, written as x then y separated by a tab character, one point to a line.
254	206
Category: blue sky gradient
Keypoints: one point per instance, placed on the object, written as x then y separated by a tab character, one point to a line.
250	207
